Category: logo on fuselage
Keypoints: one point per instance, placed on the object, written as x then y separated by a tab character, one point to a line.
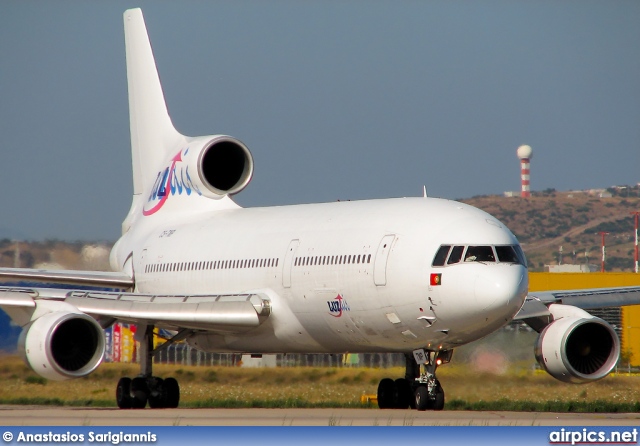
337	306
172	180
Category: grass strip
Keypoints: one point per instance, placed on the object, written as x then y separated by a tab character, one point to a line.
39	401
298	403
597	406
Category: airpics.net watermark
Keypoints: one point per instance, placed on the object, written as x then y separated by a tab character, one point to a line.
114	438
592	436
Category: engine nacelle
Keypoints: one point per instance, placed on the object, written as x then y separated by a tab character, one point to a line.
224	165
578	348
62	345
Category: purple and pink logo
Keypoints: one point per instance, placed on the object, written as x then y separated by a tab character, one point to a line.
337	306
173	180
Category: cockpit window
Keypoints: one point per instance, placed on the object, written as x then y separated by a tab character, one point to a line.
521	256
441	255
506	254
493	254
479	254
456	255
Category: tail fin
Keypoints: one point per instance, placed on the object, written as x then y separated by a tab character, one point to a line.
152	132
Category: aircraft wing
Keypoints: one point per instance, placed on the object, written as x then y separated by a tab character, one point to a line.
591	298
221	313
69	277
536	304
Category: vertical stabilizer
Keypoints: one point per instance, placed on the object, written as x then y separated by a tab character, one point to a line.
152	132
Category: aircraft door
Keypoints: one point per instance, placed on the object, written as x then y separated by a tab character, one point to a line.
288	263
380	263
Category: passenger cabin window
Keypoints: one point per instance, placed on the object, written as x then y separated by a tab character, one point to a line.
479	254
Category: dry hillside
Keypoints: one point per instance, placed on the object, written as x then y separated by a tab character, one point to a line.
571	220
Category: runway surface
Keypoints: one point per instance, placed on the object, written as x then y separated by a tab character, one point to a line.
64	416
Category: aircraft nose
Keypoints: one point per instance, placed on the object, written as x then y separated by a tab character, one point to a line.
503	287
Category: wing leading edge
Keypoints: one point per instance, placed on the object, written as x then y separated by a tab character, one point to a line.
69	277
536	313
221	313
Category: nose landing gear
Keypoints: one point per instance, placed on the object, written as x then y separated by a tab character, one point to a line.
419	389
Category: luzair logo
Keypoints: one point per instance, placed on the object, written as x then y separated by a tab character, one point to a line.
337	306
174	179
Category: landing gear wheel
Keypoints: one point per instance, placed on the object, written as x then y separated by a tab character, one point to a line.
422	398
171	393
139	392
156	396
387	394
405	395
438	402
123	393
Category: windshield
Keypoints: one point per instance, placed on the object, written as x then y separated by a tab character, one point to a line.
479	254
448	255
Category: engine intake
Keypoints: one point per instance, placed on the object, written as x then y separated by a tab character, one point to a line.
62	345
224	164
578	349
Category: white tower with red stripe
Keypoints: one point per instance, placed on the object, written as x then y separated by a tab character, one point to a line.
525	153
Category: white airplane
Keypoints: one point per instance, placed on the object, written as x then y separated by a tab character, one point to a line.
420	276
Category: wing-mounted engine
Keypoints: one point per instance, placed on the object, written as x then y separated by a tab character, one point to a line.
577	347
223	165
62	344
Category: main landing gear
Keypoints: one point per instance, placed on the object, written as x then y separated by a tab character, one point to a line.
145	388
417	390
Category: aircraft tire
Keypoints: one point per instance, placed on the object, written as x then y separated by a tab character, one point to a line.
422	398
405	395
123	393
438	402
171	393
387	394
139	392
156	398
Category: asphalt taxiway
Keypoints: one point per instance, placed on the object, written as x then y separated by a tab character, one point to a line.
65	416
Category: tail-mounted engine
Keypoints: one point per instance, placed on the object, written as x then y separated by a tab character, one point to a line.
209	166
577	347
62	345
224	165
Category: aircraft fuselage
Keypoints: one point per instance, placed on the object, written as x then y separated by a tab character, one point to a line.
344	276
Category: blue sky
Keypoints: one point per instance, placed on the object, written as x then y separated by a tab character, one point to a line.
336	99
